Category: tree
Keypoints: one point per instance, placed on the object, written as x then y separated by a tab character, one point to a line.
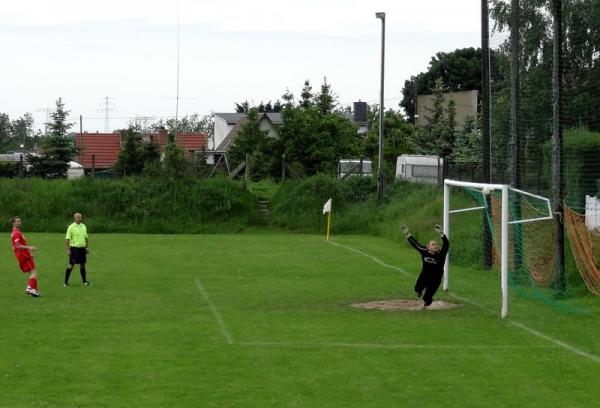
175	164
186	124
581	49
59	126
255	143
325	100
131	157
314	143
581	58
468	143
5	132
277	106
439	134
200	167
23	133
398	137
459	70
243	107
58	149
288	99
306	96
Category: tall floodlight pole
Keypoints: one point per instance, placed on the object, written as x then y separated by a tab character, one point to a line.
380	173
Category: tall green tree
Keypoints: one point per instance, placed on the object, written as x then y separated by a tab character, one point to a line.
131	157
174	164
581	60
325	100
288	99
315	143
306	96
242	107
467	147
58	149
23	133
5	132
263	151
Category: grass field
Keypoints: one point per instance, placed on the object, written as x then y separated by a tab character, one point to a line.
264	320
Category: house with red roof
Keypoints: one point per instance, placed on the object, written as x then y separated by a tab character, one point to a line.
101	150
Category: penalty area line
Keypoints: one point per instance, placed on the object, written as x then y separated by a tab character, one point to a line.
383	346
519	325
215	312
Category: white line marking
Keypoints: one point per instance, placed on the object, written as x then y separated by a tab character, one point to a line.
529	330
215	313
385	346
376	260
557	342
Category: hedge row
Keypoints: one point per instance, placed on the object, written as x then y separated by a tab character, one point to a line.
140	205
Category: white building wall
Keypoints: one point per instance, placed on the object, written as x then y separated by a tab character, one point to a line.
592	213
221	130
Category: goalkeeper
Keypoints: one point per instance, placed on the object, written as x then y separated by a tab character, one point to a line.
433	264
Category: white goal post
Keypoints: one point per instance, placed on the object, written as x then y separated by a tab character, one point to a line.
505	222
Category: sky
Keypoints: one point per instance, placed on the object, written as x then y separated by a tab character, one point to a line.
229	51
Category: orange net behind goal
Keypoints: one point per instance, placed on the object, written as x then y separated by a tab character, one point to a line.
585	245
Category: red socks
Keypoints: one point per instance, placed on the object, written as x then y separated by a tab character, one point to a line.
33	283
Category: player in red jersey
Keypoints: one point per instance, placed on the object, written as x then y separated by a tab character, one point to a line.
24	258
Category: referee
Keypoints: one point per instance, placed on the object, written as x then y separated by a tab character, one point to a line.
77	248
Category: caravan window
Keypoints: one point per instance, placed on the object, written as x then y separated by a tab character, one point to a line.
425	171
402	168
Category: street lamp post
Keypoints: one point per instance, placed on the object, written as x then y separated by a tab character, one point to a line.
380	173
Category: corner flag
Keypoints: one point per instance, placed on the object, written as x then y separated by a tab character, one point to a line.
327	210
327	207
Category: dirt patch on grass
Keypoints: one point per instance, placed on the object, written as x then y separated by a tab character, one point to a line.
405	304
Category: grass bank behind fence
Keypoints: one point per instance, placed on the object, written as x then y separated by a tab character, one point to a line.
129	205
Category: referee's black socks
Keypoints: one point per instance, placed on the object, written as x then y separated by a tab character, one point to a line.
67	275
82	270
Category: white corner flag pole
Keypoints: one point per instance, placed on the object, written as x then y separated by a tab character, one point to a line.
327	209
328	224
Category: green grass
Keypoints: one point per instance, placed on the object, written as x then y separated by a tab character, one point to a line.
264	320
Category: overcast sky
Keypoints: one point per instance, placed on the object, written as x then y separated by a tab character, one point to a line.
230	50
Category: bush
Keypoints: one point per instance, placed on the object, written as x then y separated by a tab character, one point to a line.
8	169
582	172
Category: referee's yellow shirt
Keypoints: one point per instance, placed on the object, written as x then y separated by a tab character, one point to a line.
76	234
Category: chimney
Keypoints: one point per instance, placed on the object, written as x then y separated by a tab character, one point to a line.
360	112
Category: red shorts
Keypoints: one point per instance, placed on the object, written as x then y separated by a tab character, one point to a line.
26	264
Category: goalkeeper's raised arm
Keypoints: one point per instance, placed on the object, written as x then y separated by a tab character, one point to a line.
445	243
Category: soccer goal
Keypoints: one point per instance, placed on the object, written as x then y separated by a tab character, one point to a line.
506	211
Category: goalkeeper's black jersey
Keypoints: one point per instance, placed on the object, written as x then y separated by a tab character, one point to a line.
432	263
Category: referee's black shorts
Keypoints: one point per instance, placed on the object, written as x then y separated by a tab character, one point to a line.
78	256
